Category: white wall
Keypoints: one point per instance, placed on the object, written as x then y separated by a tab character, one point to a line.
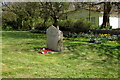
113	21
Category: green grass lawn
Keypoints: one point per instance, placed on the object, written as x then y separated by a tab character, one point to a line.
79	59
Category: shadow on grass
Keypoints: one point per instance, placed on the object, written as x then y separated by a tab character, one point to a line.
76	50
102	50
110	51
23	35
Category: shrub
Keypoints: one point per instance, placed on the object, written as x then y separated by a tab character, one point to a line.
116	29
65	25
97	40
104	28
74	25
38	31
8	28
40	26
112	38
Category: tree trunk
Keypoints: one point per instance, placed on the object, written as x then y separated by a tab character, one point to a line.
106	15
55	21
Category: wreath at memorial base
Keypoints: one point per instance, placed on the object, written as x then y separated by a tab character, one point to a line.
45	50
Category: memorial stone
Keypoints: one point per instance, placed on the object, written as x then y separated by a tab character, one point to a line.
54	39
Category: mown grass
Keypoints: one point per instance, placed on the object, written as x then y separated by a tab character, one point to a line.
79	59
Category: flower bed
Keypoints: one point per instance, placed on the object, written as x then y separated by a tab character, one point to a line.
95	38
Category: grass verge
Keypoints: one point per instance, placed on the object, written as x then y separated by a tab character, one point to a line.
80	59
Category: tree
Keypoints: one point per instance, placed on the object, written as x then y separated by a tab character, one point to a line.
17	9
106	15
84	5
54	10
107	7
27	14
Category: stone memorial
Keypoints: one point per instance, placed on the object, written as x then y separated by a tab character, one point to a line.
54	39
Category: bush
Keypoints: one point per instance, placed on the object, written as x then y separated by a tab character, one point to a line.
104	28
65	25
74	25
8	28
97	40
38	31
40	26
116	29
